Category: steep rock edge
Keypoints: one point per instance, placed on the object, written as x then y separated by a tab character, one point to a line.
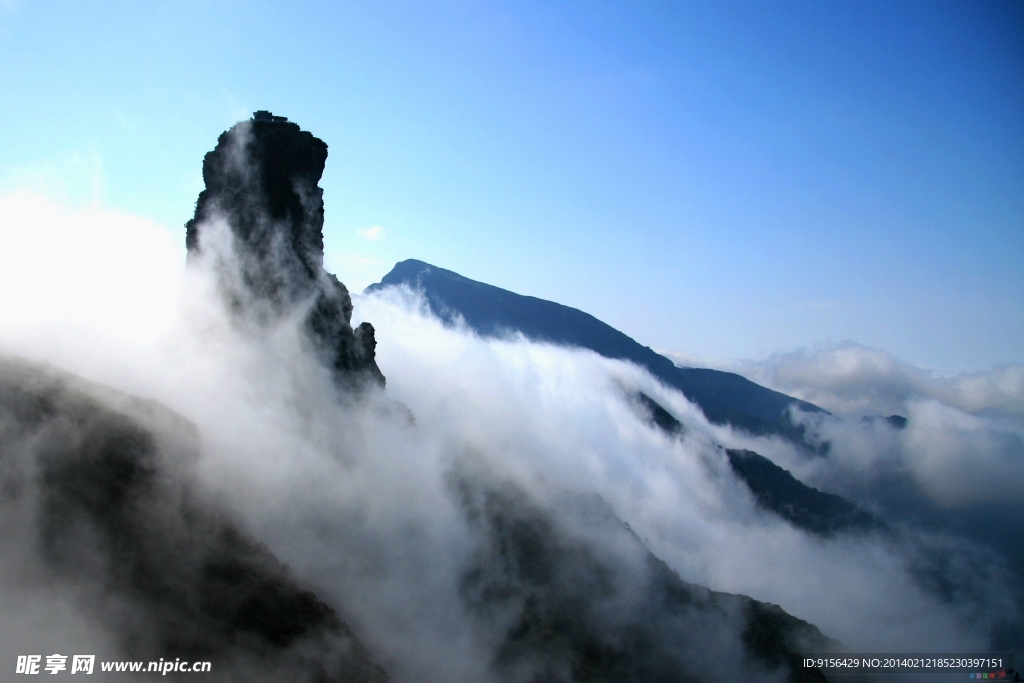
262	184
106	482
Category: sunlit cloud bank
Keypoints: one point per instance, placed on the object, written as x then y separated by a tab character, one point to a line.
964	438
357	495
75	280
851	379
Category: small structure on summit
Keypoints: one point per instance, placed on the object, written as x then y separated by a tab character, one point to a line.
267	117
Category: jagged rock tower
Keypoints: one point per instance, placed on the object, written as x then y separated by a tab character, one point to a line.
262	186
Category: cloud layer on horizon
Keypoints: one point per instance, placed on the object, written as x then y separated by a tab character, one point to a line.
964	441
852	379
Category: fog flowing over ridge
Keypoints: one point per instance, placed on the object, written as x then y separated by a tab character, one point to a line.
390	505
684	501
962	450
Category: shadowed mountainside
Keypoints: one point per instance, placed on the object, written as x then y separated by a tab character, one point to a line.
778	491
658	416
107	482
581	614
774	488
724	397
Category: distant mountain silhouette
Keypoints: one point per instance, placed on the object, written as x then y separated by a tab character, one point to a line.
725	397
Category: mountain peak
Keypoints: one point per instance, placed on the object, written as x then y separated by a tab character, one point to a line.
259	224
725	397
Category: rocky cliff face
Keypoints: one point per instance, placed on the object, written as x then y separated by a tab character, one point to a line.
259	225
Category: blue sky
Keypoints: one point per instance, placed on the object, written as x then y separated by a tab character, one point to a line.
726	180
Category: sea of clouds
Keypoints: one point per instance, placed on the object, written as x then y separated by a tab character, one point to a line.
355	495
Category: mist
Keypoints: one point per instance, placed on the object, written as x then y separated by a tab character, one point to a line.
851	378
372	498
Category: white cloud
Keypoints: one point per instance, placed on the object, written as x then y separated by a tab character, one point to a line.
374	232
964	442
853	379
82	274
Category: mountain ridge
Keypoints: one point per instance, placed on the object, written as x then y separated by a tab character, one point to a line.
725	397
